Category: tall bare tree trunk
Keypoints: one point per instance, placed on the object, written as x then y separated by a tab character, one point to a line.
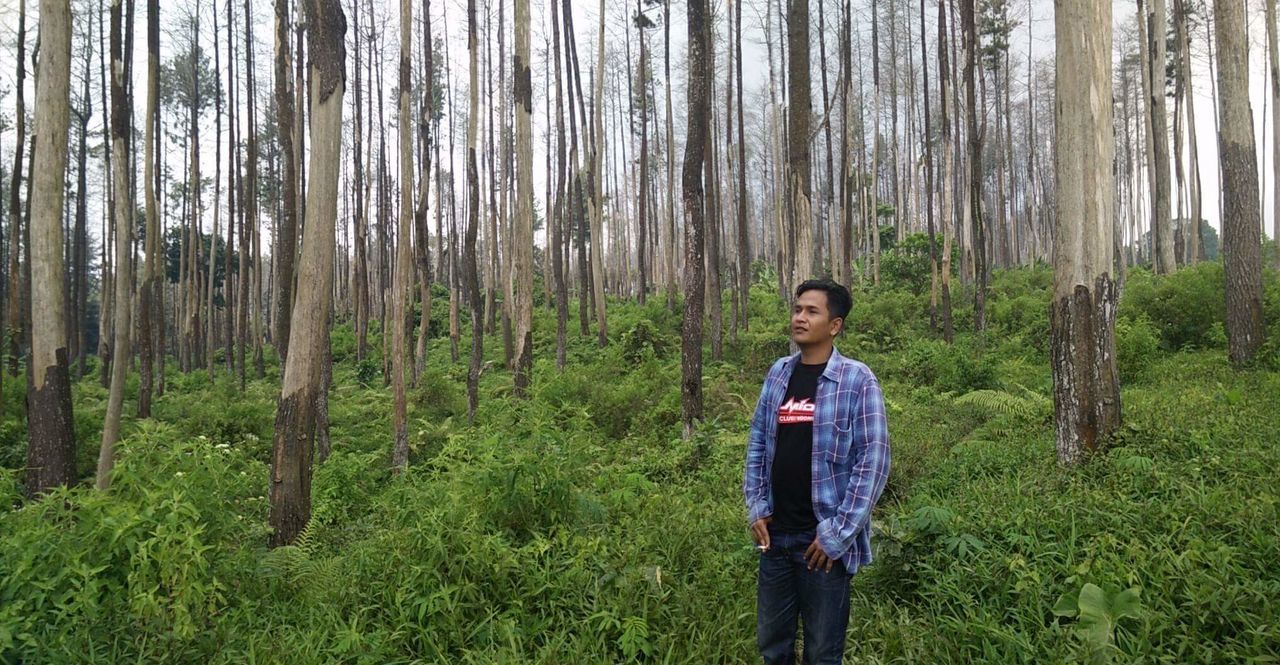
522	87
1157	118
979	247
744	231
1273	64
403	283
1082	316
309	338
147	294
947	204
596	201
699	108
121	116
11	340
470	270
51	447
799	184
422	223
287	233
1241	228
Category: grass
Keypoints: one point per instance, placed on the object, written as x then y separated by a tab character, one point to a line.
579	527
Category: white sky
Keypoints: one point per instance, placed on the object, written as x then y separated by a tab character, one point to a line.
1037	14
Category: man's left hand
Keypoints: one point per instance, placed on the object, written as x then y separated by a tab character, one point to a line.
817	558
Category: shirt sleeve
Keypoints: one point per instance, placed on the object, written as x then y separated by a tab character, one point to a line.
755	482
870	447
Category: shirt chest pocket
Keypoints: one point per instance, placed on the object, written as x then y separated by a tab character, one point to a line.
838	420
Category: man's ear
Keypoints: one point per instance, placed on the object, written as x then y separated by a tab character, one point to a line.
839	328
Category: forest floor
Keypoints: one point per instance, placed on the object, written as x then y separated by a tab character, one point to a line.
578	526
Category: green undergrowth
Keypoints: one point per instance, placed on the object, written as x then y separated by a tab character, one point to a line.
579	526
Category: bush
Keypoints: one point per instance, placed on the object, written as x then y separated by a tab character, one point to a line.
1137	345
1183	306
642	340
956	368
887	319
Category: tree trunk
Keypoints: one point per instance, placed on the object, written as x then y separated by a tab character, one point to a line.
979	240
1157	118
470	271
947	205
1273	63
744	231
596	201
11	340
309	338
799	184
151	282
287	233
1241	229
121	116
699	107
1082	316
51	448
403	284
522	87
422	223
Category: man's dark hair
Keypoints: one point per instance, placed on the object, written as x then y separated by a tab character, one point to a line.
839	302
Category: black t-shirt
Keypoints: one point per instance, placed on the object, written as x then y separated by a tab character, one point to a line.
792	474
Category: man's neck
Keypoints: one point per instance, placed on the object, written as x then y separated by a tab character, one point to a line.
816	354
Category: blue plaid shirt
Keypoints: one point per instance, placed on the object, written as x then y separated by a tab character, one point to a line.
850	460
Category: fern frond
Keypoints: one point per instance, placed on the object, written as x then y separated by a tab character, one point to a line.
999	402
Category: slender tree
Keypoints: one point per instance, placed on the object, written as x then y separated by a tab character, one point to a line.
470	269
11	339
799	184
522	89
1241	227
404	246
150	313
1082	315
121	126
290	491
1157	119
51	447
975	138
1273	63
287	230
699	108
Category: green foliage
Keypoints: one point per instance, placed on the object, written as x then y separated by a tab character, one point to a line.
1187	307
642	341
579	526
1137	347
960	367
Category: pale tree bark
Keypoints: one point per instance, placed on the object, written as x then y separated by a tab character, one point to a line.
121	116
296	416
209	346
1241	228
470	270
946	203
559	209
699	108
522	259
422	224
11	339
1157	119
1082	315
744	231
1184	45
596	201
51	442
287	231
1273	63
798	116
669	250
250	226
403	282
151	314
981	268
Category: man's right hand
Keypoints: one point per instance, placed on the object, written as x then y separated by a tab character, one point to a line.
760	531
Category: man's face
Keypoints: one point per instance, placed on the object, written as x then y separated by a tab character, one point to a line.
811	321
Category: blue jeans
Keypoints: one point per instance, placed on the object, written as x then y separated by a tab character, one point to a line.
788	590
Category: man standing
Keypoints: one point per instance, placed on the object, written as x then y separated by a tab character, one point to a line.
817	460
